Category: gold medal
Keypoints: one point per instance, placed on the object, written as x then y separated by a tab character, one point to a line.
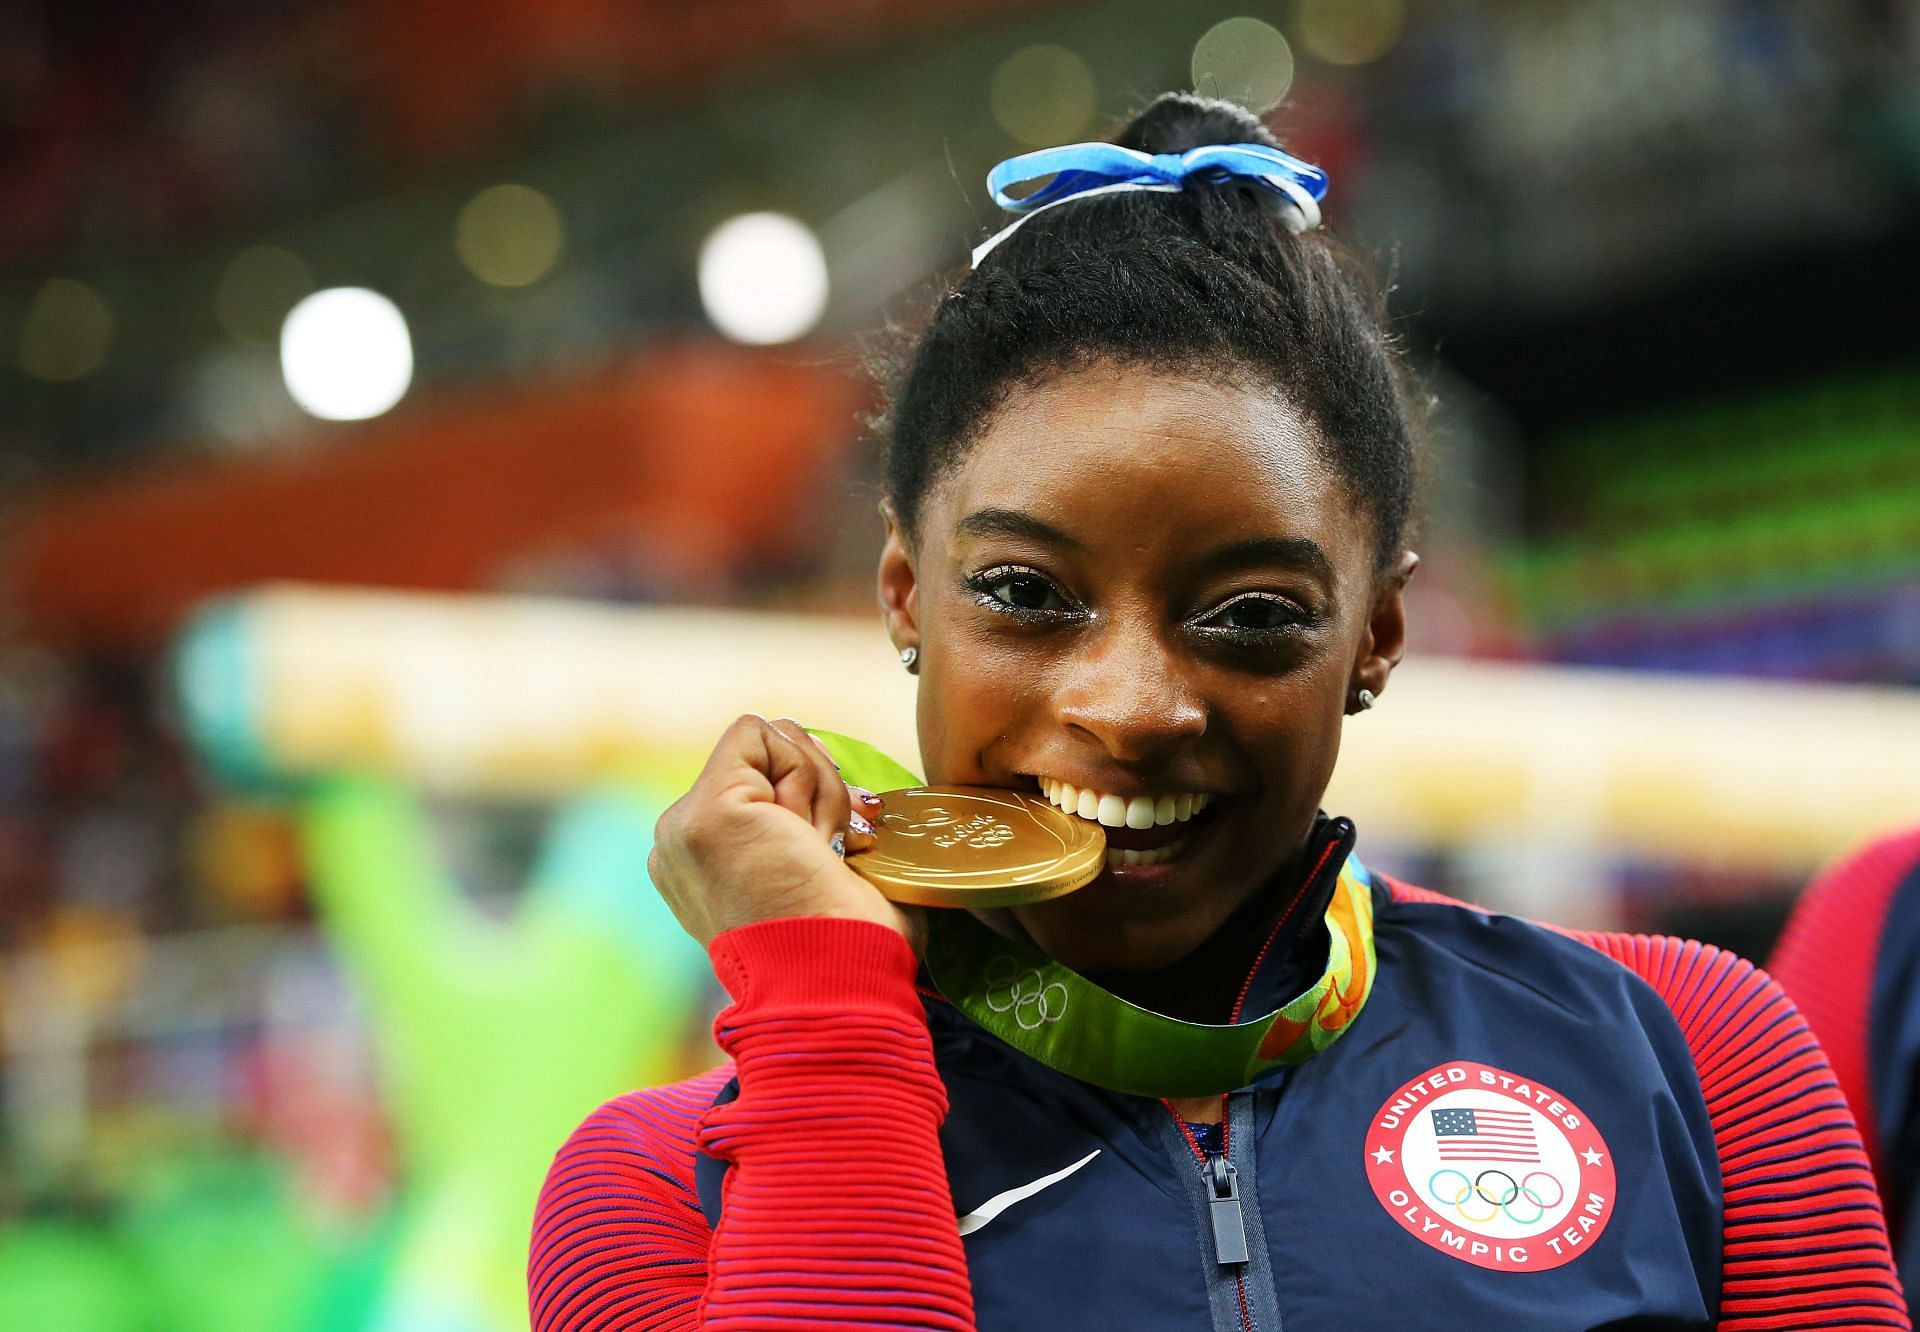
978	846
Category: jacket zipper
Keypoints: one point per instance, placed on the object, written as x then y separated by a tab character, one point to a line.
1222	1181
1218	1173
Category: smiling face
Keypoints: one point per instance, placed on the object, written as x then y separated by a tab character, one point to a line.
1136	584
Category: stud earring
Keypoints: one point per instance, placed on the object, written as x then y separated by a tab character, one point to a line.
910	658
1364	699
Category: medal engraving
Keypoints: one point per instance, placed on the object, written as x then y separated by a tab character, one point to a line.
978	846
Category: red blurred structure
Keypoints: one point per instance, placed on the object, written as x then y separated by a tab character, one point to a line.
684	467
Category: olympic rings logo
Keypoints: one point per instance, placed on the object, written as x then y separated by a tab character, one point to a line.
1475	1192
1033	1001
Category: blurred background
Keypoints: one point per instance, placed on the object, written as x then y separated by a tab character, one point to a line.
518	348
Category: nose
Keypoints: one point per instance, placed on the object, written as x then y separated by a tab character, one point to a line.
1127	690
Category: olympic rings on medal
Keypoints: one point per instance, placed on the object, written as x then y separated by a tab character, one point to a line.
1476	1187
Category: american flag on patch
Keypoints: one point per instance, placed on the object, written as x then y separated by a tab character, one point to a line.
1485	1135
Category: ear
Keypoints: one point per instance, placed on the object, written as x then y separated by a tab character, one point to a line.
899	585
1385	641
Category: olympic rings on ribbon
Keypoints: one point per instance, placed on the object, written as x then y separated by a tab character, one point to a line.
1033	1001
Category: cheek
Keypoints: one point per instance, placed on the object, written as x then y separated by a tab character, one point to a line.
1293	728
974	692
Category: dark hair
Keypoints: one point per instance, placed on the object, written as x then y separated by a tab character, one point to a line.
1203	279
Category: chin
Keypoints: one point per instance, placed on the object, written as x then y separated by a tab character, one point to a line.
1081	932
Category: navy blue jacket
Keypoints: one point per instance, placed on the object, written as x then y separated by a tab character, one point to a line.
1523	1128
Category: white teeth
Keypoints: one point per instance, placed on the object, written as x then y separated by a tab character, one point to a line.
1122	811
1158	856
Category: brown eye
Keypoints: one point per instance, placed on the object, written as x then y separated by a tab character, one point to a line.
1256	614
1013	590
1026	591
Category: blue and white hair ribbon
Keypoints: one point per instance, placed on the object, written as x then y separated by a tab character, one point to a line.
1082	170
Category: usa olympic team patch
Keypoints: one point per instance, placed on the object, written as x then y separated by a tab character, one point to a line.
1492	1168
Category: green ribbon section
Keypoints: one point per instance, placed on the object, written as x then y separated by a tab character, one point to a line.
1068	1023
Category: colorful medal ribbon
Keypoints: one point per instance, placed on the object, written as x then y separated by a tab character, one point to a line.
1068	1023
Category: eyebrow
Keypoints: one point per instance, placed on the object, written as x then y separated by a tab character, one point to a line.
1295	552
1013	523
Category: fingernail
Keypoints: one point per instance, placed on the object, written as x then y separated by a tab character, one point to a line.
864	796
839	844
859	825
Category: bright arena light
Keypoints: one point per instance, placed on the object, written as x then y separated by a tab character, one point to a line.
509	235
67	331
1350	32
345	354
1043	95
763	278
1244	61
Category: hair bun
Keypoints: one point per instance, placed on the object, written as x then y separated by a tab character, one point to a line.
1175	122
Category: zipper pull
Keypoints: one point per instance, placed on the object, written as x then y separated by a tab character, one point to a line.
1229	1226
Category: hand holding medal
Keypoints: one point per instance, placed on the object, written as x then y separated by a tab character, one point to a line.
759	837
970	847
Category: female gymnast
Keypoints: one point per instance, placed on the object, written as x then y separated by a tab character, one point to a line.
1149	475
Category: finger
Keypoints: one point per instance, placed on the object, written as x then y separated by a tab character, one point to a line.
795	777
740	756
861	833
832	804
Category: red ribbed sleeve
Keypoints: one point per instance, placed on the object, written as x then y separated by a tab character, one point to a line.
618	1238
1805	1242
836	1208
1828	956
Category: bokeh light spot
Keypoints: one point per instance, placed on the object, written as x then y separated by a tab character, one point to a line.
763	278
346	354
509	235
1350	32
67	331
1244	61
1043	95
257	288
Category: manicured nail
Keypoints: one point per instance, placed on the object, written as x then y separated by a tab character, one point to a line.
859	825
839	844
864	796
